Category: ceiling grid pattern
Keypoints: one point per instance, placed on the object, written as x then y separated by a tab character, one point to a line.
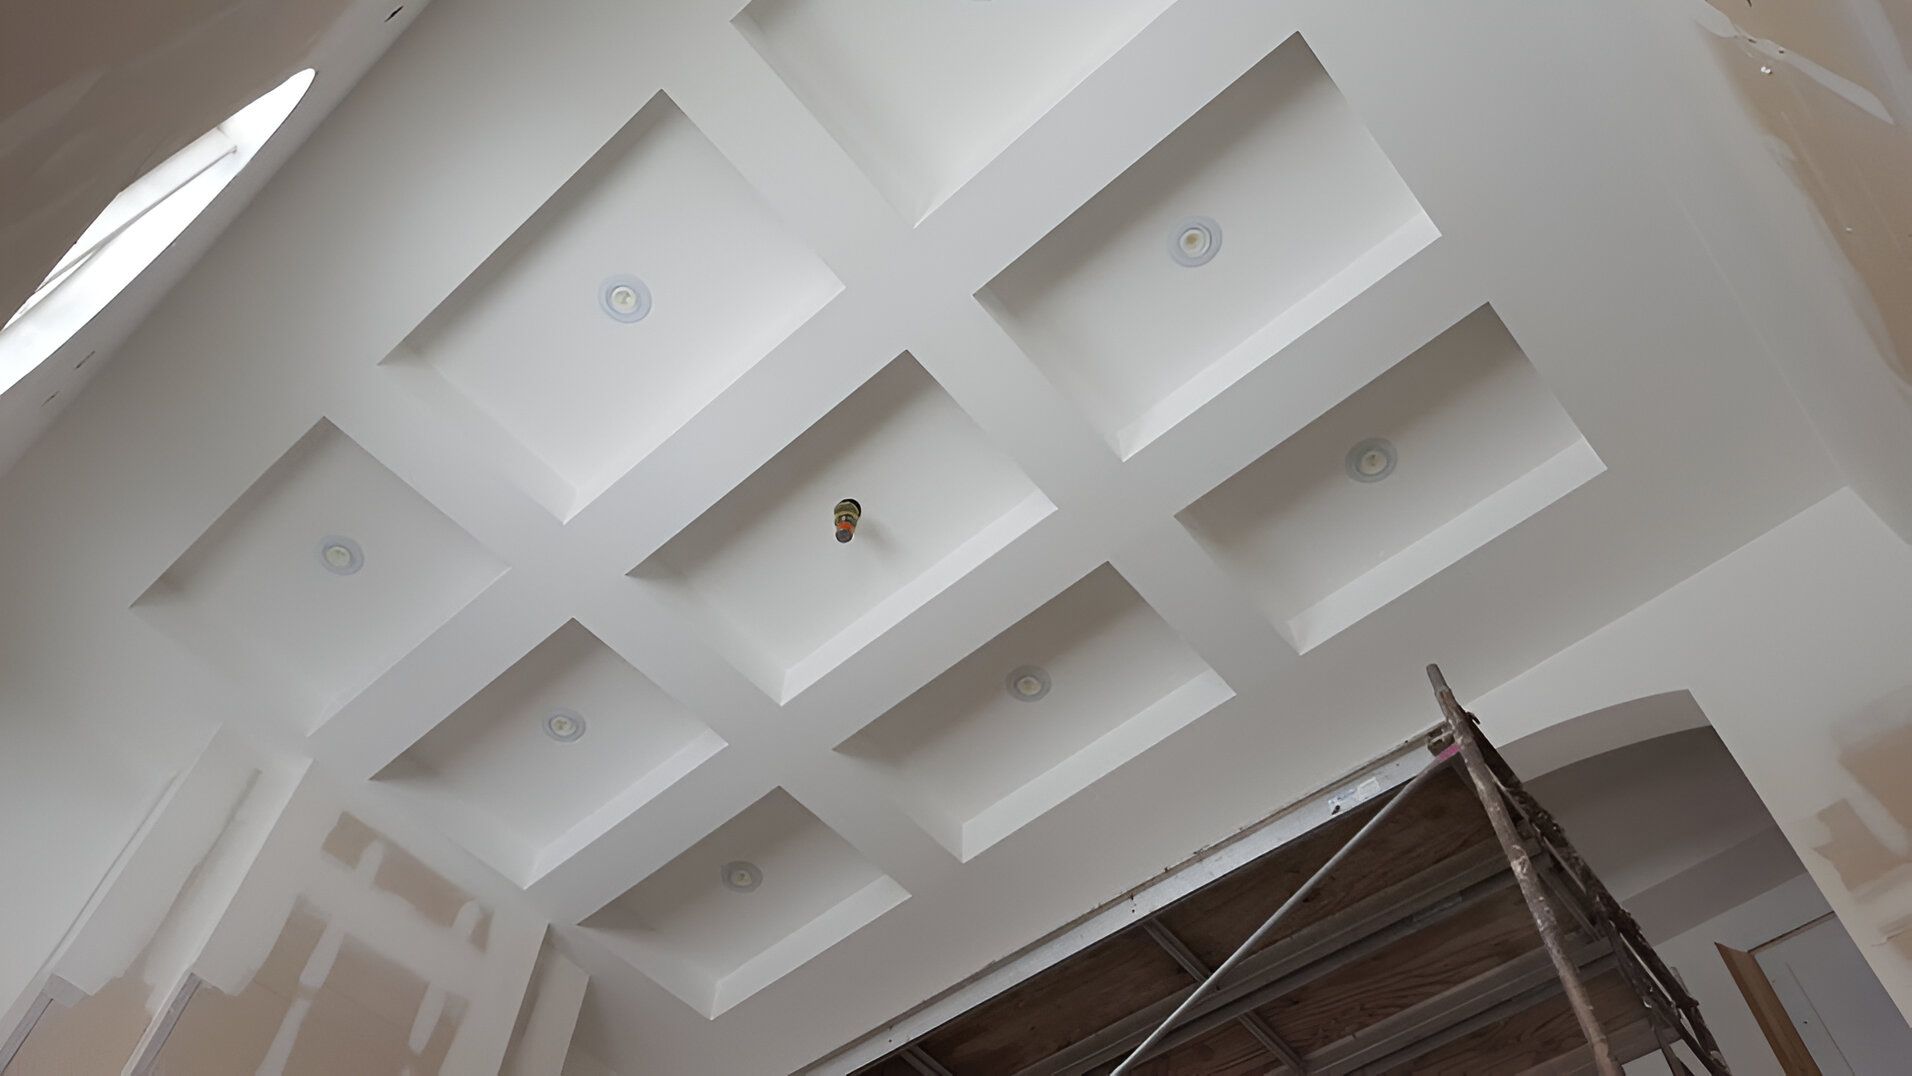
811	765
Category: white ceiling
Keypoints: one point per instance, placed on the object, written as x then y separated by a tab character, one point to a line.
924	262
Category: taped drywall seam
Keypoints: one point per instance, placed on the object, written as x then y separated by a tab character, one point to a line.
1721	25
317	967
432	1009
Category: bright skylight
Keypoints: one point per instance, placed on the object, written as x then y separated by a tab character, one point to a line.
135	228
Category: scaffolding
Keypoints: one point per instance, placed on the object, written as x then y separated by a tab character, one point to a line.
1518	817
1519	822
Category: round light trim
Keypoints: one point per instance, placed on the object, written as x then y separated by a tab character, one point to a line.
1027	683
739	876
564	726
340	555
1371	460
625	298
1195	241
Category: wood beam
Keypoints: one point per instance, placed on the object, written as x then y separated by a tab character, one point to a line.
914	1056
1351	934
1251	1020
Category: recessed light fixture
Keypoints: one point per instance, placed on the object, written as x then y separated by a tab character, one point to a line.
1027	683
340	555
739	876
624	298
564	726
1371	460
1195	241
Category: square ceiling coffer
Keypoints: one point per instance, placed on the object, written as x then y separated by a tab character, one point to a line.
646	285
922	96
327	570
750	903
763	579
1457	444
1258	217
561	747
1075	689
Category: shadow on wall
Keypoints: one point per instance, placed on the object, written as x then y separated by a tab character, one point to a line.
1599	732
1671	823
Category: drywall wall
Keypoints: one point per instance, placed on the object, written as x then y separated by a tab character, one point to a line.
259	924
94	92
1829	83
1810	106
344	951
1829	592
98	799
133	942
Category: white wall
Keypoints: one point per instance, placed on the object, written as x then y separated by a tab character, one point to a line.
1693	957
1796	647
1678	833
71	805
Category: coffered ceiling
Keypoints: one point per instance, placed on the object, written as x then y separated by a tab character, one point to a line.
1202	369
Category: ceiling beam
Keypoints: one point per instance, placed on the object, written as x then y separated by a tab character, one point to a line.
1512	988
922	1062
1252	1021
1351	934
1377	778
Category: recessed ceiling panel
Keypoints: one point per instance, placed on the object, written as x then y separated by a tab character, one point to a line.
652	280
328	569
923	95
762	573
1078	687
748	904
565	744
1455	445
1257	218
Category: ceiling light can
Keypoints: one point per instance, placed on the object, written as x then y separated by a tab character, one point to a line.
1371	460
1195	241
564	726
844	517
340	555
740	876
624	298
1027	683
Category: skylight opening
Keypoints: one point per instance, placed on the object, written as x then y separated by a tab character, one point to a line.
135	228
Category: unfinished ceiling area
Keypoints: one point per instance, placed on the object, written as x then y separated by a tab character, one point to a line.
1416	955
1201	369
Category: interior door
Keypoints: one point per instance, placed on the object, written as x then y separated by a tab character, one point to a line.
1846	1019
1770	1011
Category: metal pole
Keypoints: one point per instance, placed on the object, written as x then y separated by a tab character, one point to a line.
1215	977
1488	790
